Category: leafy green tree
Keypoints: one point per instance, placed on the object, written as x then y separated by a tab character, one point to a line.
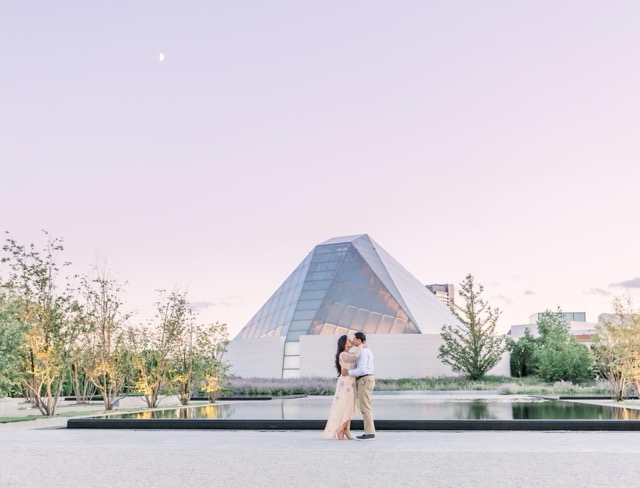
156	347
522	360
46	311
616	346
213	341
105	355
559	356
11	340
198	364
472	348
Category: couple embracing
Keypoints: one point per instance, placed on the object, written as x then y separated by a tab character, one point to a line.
354	387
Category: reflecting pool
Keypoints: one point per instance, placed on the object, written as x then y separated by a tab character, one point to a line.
393	408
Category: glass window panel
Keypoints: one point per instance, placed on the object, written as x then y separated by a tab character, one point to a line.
360	319
366	275
280	302
346	319
291	348
359	297
359	259
401	314
411	328
272	305
291	362
317	285
354	273
321	275
346	292
282	316
337	309
398	326
351	254
304	314
371	327
309	304
324	258
289	296
323	311
371	300
289	316
294	336
300	325
343	272
325	266
328	329
341	331
385	324
316	327
312	294
333	292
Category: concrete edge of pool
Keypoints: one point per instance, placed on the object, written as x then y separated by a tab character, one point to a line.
255	424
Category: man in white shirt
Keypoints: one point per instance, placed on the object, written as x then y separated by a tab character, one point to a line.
365	382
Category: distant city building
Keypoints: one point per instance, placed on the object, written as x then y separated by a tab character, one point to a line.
568	317
576	322
444	293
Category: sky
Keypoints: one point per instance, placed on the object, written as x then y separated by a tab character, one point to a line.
494	138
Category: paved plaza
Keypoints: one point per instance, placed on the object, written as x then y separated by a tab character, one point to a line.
44	453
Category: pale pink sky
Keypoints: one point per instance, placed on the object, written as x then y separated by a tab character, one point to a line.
497	138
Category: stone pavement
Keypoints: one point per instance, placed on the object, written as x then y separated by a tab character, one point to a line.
44	453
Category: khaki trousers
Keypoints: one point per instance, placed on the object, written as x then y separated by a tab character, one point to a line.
365	388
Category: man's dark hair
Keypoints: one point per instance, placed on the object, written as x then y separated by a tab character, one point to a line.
361	336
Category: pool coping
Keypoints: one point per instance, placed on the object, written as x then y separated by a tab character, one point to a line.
414	425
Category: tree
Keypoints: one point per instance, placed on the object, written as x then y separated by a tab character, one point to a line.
522	360
46	312
558	355
616	345
156	347
471	347
213	341
11	340
106	357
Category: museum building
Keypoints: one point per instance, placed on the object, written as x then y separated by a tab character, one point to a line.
345	285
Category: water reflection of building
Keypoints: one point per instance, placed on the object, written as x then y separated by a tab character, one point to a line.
344	285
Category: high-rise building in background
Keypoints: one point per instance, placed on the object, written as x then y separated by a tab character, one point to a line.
444	293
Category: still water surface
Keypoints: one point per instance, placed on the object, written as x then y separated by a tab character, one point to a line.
390	408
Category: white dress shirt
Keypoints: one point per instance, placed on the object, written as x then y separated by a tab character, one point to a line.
364	363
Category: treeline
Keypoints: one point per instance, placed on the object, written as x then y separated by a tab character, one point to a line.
556	355
71	335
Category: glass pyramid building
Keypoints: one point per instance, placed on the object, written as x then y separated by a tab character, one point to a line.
344	285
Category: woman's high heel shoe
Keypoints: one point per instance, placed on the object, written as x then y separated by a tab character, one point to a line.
347	435
340	434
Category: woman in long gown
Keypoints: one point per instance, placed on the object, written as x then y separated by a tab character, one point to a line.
344	402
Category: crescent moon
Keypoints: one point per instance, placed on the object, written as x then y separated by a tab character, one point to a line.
161	57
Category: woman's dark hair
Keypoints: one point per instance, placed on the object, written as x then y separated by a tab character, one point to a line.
341	343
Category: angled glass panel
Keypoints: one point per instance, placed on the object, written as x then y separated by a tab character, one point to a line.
309	304
385	324
335	312
346	319
360	320
304	314
316	285
300	325
312	294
